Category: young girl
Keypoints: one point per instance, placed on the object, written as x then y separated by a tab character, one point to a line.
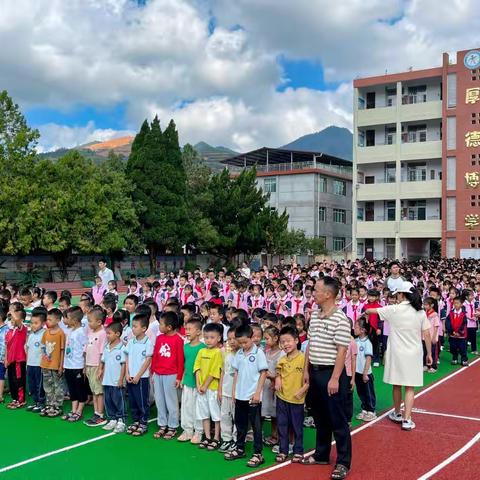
273	354
472	325
431	307
123	317
112	288
301	324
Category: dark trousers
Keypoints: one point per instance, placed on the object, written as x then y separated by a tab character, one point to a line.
472	337
366	392
330	416
290	417
375	339
349	401
458	346
434	355
246	413
114	403
17	380
35	384
138	399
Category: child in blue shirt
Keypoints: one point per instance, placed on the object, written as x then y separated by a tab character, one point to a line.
250	366
139	351
363	375
112	369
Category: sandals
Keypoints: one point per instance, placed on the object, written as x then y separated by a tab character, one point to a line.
281	457
67	416
256	460
133	428
297	458
171	432
340	472
142	429
45	410
54	412
234	455
213	445
204	443
270	441
310	460
75	417
13	405
160	433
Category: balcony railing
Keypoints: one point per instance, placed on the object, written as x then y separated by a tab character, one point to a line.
285	167
409	99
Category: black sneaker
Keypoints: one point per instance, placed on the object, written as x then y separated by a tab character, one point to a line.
95	421
31	407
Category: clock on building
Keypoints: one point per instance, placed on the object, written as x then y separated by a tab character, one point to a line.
472	59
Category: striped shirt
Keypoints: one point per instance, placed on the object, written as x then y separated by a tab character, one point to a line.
325	335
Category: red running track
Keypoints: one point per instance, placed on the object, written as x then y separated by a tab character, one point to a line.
382	451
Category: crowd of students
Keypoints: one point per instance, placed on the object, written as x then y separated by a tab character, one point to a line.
217	352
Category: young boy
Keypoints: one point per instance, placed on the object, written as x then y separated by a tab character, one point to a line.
49	299
374	321
208	370
34	354
291	392
192	428
112	369
97	339
167	368
227	409
53	349
139	351
456	327
3	332
251	368
15	359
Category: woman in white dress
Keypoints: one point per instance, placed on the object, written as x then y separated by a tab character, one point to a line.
403	357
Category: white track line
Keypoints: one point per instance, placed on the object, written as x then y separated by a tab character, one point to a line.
448	415
451	458
60	450
359	429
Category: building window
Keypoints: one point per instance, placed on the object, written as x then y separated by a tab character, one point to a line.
338	243
270	185
390	208
339	215
360	249
322	184
415	210
360	214
339	187
322	214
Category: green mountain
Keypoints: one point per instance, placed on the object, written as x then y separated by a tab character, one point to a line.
213	155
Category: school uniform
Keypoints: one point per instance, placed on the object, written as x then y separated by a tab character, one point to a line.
456	322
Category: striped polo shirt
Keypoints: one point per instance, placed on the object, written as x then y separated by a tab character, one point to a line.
325	335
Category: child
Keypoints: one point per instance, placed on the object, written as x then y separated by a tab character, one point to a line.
291	391
217	315
208	369
3	332
456	327
283	303
192	428
251	368
472	325
53	349
16	359
34	353
431	308
227	409
123	318
49	299
350	368
74	364
301	326
64	303
112	370
167	368
273	353
373	301
112	289
109	304
363	372
98	291
138	351
94	349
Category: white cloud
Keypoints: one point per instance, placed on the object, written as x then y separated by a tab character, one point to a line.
54	136
101	52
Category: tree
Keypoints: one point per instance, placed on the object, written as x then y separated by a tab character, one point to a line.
158	176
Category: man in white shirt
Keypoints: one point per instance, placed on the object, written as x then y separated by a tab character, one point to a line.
105	273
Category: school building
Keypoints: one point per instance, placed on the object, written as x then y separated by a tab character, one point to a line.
314	188
416	158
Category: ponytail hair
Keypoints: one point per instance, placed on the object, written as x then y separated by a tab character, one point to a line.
415	299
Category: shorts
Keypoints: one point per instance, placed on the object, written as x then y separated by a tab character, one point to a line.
95	384
207	406
77	384
2	371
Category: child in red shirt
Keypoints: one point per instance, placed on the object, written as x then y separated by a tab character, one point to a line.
16	359
373	301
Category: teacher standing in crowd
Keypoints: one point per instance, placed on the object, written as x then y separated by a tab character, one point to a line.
404	355
105	273
329	337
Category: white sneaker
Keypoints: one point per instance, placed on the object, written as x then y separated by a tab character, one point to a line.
120	427
369	416
395	417
110	425
276	449
408	424
361	415
425	368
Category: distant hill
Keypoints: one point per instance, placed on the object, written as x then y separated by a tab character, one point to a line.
213	155
332	140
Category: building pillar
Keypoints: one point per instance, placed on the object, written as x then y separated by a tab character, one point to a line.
354	176
398	171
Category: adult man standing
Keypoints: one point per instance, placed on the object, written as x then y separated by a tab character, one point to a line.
329	336
105	273
395	280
